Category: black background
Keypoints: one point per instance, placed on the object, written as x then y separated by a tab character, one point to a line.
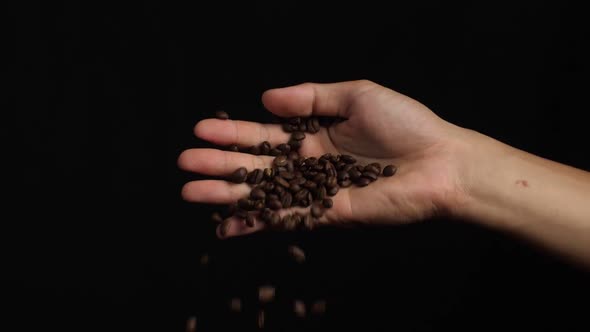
106	98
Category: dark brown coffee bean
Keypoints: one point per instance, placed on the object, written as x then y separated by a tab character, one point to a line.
251	177
304	202
287	175
235	304
221	115
290	167
331	182
301	194
254	149
372	169
266	214
313	125
362	182
342	175
269	173
257	193
268	187
274	152
270	197
258	205
327	156
316	210
319	178
296	253
244	204
274	204
298	135
294	187
290	223
320	193
287	127
224	227
275	220
348	167
280	181
302	126
234	148
299	308
347	159
354	174
250	221
266	293
333	191
345	184
318	307
377	167
284	148
293	155
370	175
265	148
286	200
261	319
311	161
216	217
242	214
239	175
294	144
327	203
280	161
310	185
389	170
280	169
308	222
230	210
279	190
296	120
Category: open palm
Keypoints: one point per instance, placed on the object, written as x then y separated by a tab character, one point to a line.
381	126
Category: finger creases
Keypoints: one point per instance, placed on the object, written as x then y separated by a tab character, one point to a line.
220	163
214	192
243	133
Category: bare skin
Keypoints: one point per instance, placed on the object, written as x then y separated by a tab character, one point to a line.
443	170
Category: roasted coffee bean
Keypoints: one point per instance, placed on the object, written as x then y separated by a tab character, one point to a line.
372	169
275	220
241	213
377	167
310	185
224	227
257	193
274	204
298	135
348	167
284	148
265	148
347	159
266	293
311	161
280	161
254	176
261	319
313	125
389	170
302	126
320	193
345	184
279	190
342	175
327	156
319	178
299	308
216	217
235	304
327	202
258	205
269	173
266	214
280	169
294	187
287	175
370	175
301	194
239	175
254	149
286	200
274	152
318	307
290	167
287	127
270	197
245	204
316	210
331	182
294	144
304	202
250	220
309	197
308	222
290	223
293	155
333	191
204	259
296	120
299	179
362	182
354	174
297	253
221	115
234	148
280	181
191	324
230	210
268	187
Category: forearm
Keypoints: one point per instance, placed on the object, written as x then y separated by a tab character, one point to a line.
539	199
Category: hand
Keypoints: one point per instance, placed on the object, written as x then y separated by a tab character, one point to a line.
382	126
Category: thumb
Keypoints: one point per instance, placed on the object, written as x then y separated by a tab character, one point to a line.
307	99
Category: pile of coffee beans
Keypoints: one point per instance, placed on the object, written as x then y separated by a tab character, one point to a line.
292	181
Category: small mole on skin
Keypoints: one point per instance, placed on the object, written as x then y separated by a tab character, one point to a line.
523	183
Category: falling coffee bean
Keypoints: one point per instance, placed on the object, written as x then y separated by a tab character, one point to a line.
261	318
250	220
297	253
222	115
239	175
235	304
389	170
318	307
224	227
204	260
234	148
266	293
216	217
299	308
